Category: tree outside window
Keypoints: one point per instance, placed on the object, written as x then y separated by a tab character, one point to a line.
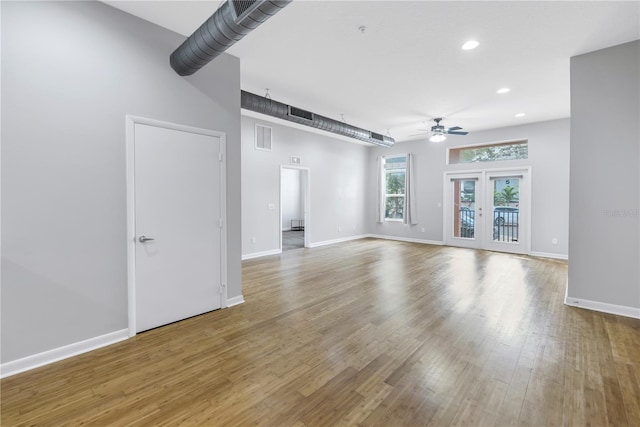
395	184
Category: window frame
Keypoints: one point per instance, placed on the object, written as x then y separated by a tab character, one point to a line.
386	195
460	148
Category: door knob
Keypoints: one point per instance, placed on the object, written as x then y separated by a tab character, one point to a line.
144	239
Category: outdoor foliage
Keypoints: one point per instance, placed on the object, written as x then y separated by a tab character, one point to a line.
506	196
497	152
394	205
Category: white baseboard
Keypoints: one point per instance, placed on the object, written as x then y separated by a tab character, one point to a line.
340	240
549	255
620	310
261	254
235	301
406	239
34	361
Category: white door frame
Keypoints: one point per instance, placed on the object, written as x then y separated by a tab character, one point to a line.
447	200
307	202
130	122
482	230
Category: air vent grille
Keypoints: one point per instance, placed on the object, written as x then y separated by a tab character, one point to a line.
300	113
377	136
263	137
241	8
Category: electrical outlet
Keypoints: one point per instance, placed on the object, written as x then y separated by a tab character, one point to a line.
339	228
271	206
253	240
554	241
439	204
422	229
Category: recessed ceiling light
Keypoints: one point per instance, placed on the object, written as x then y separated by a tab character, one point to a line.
520	115
471	44
503	90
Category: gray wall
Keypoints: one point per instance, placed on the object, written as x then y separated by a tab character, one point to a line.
71	71
605	149
338	171
549	160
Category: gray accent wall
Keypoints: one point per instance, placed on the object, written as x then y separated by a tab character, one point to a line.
549	161
604	241
338	187
71	71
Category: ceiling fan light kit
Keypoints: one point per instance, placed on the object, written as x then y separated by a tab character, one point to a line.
438	131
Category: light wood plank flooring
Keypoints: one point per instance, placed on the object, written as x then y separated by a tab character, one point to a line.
292	240
368	332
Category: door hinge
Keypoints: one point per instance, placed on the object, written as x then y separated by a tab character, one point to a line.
220	222
220	156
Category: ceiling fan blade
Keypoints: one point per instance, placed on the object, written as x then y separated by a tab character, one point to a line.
457	133
454	128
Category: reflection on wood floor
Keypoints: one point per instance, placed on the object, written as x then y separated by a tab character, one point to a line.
292	240
367	332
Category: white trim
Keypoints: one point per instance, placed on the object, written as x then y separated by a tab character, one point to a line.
130	122
235	301
484	176
223	217
549	255
620	310
340	240
46	357
261	254
485	144
406	239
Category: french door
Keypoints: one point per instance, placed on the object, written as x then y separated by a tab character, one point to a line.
488	209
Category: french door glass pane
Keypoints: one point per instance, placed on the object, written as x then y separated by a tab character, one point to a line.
506	209
464	212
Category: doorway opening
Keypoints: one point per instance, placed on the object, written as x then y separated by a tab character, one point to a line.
488	209
294	207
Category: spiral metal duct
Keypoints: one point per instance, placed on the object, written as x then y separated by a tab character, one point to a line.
267	106
230	23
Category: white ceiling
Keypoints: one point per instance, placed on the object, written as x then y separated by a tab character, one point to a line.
407	67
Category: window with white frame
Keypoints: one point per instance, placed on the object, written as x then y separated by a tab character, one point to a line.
395	172
492	152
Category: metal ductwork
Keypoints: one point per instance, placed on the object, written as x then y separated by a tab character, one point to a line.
267	106
230	23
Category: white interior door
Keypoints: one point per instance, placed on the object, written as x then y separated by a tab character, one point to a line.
488	209
178	224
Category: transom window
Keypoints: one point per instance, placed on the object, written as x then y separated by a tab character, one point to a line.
514	150
395	171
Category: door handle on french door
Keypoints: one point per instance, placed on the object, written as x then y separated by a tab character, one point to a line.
144	239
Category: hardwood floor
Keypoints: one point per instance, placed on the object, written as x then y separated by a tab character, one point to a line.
292	240
367	332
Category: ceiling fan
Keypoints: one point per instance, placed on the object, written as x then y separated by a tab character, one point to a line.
438	131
